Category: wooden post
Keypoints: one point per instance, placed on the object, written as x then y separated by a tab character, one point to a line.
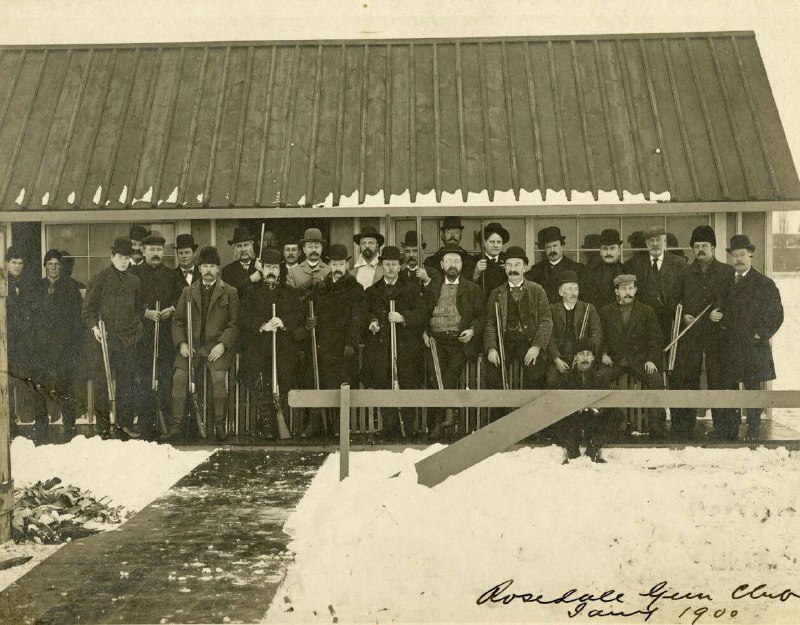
6	483
344	431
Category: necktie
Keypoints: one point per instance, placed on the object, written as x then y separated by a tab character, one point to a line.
655	265
736	278
516	293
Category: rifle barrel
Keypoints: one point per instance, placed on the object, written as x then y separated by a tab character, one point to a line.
501	345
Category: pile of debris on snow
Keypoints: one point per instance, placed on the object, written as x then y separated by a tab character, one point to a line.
49	513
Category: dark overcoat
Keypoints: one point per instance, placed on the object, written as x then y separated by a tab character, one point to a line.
471	309
663	301
20	323
115	296
639	342
237	276
59	329
597	283
163	285
594	329
221	324
536	317
752	309
546	275
697	289
376	366
494	275
196	275
256	310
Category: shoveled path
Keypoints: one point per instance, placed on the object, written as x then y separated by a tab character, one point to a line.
212	547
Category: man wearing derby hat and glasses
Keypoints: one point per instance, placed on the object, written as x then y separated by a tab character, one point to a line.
245	268
185	247
312	270
705	282
546	272
367	268
597	284
113	294
751	315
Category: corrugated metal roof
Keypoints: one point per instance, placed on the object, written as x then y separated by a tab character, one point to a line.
299	123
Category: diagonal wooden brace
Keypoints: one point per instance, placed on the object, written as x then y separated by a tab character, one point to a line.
500	435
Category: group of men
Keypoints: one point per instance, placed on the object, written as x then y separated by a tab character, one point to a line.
558	322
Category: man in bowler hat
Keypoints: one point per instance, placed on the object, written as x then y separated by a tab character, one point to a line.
185	248
412	269
312	270
137	234
546	272
751	315
489	270
245	268
597	285
451	231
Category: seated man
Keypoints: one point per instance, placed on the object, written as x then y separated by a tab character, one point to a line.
633	344
572	321
597	425
215	308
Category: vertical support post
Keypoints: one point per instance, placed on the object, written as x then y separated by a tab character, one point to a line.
6	483
344	431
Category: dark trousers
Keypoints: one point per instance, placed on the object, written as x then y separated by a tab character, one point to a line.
146	400
124	367
217	395
651	381
56	396
452	360
731	419
533	375
598	426
689	366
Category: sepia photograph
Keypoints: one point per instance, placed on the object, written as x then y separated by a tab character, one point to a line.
477	311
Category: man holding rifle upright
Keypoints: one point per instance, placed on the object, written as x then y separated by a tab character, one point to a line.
526	324
215	310
701	289
113	296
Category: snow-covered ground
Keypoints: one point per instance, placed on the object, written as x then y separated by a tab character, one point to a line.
375	549
130	474
784	345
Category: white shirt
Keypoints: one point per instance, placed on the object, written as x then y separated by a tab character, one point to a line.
659	261
365	271
555	263
188	274
569	306
446	281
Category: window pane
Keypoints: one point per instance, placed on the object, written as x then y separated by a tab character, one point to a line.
753	225
681	227
98	264
101	237
201	231
71	237
81	270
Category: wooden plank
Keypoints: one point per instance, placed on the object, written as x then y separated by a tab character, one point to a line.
312	148
662	144
462	148
584	124
607	120
500	435
6	482
387	130
212	159
187	157
233	185
487	133
537	133
265	127
412	126
437	128
508	102
11	87
339	142
291	112
344	430
555	93
633	124
515	398
362	137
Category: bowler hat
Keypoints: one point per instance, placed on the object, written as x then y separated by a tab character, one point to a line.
369	232
184	241
609	236
137	232
451	223
515	251
337	251
312	235
703	234
122	245
584	345
624	278
451	248
154	238
741	242
241	234
51	254
496	228
591	242
270	256
654	231
550	234
566	277
410	239
208	256
390	252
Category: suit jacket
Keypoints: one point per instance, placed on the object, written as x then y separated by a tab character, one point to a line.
494	275
697	289
340	308
470	306
594	329
114	296
753	307
196	275
662	302
376	371
237	276
639	343
536	317
547	278
434	269
353	270
303	277
221	320
163	285
597	283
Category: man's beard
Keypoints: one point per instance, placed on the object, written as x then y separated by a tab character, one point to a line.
368	254
452	273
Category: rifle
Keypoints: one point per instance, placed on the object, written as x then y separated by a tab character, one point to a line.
436	366
673	346
680	334
395	380
500	344
315	361
585	320
154	379
283	429
198	417
112	414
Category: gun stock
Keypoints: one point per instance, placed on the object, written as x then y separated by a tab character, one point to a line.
198	416
283	429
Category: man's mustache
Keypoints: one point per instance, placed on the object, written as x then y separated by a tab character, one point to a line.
338	274
514	273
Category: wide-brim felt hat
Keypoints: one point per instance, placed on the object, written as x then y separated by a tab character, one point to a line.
451	248
610	236
370	232
312	235
496	228
185	240
337	251
451	223
122	245
741	242
390	252
241	234
549	234
515	251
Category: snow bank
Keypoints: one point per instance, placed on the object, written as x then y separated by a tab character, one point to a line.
387	550
130	473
